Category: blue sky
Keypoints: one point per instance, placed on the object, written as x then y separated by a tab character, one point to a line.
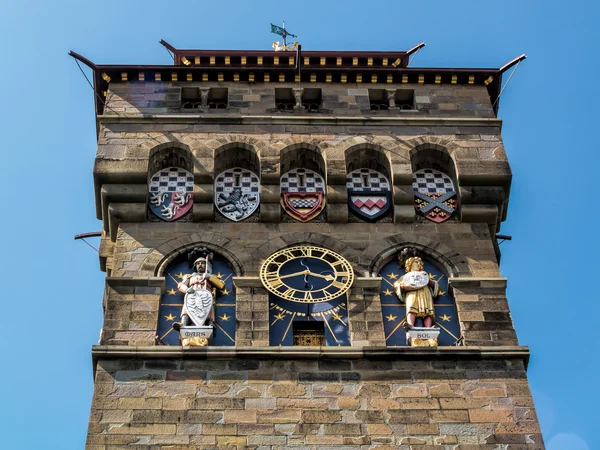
52	287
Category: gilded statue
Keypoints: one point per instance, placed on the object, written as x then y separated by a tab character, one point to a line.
416	290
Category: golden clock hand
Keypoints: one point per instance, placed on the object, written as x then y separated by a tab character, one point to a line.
327	277
295	274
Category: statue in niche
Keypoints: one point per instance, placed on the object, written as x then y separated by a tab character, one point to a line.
416	290
199	288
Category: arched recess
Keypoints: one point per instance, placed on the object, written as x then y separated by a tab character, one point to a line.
292	239
224	303
170	183
433	156
306	308
445	258
160	258
435	182
368	183
393	309
303	182
303	155
170	154
237	182
236	154
369	156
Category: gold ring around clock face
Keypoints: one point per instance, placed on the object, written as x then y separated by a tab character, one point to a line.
306	274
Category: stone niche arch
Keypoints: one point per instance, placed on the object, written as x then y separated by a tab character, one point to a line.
236	154
394	310
237	182
161	257
303	155
368	156
447	259
170	154
433	156
369	183
174	268
300	238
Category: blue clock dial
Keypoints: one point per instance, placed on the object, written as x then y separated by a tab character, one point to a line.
307	274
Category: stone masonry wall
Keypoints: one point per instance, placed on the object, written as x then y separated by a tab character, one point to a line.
304	404
259	98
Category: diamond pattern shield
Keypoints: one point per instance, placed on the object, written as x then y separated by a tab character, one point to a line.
302	194
171	193
237	193
435	197
369	194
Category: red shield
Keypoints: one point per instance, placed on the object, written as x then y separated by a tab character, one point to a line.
303	206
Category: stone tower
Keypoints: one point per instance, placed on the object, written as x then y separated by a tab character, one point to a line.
326	222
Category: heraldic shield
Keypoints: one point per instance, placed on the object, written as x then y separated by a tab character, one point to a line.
435	197
171	193
302	194
237	193
369	194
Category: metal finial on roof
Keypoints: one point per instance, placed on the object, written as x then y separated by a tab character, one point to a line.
281	31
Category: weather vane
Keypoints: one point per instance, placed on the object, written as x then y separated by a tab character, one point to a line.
281	31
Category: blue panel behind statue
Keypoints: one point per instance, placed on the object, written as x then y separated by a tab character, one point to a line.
171	303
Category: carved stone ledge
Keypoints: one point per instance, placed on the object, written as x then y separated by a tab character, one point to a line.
136	281
499	282
387	353
301	120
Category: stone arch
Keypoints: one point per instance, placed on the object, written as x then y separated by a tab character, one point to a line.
204	151
159	259
236	154
170	154
433	153
303	155
446	258
368	156
322	240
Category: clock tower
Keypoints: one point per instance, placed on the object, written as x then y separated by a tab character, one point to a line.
300	252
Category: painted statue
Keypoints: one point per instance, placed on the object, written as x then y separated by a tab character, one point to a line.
416	290
199	288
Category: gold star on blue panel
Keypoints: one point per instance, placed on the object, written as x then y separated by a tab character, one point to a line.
392	276
171	292
388	292
391	318
225	317
170	317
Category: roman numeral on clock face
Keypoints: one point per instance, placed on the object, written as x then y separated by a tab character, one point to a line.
337	284
289	292
306	251
275	282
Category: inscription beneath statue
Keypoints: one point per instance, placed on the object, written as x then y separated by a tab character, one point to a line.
199	332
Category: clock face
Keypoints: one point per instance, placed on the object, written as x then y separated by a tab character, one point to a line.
306	274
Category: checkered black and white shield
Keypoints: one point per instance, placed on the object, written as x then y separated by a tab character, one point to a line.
171	193
435	197
369	194
237	193
302	194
